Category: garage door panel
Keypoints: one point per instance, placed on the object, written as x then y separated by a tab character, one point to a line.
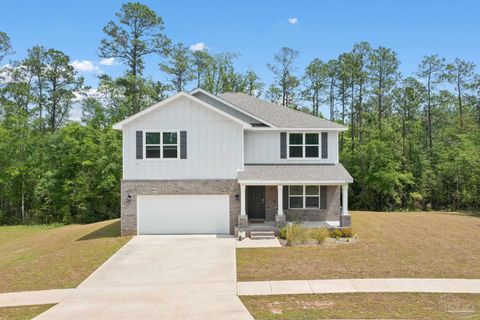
183	214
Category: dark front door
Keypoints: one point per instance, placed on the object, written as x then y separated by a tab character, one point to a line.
256	202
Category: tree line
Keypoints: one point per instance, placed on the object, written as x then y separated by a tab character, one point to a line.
413	142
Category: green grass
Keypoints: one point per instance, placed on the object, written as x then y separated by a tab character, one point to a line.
425	306
390	245
23	313
51	257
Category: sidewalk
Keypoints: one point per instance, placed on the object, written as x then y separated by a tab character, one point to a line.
358	285
284	287
14	299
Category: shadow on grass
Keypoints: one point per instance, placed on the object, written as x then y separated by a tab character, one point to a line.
111	230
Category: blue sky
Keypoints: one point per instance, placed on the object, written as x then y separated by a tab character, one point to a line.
256	29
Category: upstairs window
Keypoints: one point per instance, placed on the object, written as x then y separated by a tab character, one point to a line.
303	145
161	145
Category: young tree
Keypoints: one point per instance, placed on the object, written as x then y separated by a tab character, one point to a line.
62	85
315	82
283	69
252	84
431	72
461	74
201	59
5	46
332	67
137	33
178	66
361	52
384	74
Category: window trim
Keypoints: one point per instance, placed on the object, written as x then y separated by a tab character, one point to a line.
161	131
304	145
304	197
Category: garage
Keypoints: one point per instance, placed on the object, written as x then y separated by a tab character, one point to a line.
183	214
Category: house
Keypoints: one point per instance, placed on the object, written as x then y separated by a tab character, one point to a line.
199	163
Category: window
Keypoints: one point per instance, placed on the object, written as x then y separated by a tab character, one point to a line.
304	197
303	145
161	145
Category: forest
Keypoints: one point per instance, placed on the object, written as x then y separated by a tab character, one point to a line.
413	142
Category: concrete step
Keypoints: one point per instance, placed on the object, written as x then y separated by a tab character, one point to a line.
258	235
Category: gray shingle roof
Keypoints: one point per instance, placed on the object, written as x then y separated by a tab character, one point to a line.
295	172
275	114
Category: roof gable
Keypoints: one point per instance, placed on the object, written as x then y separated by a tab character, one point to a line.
165	102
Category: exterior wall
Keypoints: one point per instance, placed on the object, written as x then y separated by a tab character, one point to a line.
168	187
214	144
271	208
264	147
331	214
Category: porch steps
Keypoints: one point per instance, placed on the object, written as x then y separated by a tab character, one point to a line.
261	235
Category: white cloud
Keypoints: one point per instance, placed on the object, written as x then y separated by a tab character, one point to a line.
199	46
293	20
87	93
108	62
85	66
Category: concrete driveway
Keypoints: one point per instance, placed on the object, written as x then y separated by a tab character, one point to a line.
160	277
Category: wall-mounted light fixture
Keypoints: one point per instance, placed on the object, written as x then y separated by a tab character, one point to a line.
237	196
129	197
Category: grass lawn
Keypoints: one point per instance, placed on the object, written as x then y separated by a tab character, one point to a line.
434	306
23	313
390	245
49	257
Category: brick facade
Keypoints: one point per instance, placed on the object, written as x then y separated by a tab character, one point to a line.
227	187
332	213
166	187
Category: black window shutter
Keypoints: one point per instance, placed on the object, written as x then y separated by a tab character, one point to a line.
183	144
324	145
283	145
285	197
323	197
139	147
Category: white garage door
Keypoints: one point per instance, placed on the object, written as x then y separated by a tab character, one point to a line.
183	214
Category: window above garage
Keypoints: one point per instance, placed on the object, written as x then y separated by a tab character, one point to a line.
162	144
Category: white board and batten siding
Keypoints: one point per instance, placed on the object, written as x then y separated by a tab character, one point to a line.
214	144
263	147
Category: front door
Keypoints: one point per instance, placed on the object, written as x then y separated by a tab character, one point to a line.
255	202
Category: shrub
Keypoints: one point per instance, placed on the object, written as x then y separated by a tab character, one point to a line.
335	233
341	233
319	234
293	232
347	232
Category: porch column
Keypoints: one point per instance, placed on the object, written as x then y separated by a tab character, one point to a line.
280	200
345	219
242	218
242	200
345	199
279	218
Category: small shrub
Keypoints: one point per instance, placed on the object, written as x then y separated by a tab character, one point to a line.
335	233
347	232
341	233
293	233
319	234
282	233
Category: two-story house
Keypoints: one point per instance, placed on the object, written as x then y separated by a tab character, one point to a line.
198	163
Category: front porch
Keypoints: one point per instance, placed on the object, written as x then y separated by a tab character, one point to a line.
314	195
